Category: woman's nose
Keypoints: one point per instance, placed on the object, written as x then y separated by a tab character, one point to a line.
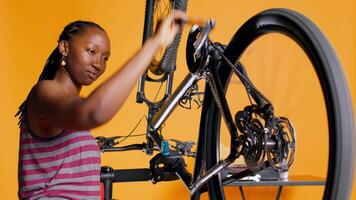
97	64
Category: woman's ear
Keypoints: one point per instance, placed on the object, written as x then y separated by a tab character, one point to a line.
63	47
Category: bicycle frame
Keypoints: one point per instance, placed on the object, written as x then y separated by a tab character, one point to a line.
263	131
168	107
160	111
163	113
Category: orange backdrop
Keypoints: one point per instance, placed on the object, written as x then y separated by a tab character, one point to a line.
28	33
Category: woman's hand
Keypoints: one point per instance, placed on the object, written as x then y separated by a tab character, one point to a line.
169	27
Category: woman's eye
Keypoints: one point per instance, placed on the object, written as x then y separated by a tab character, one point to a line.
90	51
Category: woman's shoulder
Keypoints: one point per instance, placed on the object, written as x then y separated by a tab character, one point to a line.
44	94
47	87
46	91
41	102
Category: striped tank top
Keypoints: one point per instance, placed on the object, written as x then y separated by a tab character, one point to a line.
66	166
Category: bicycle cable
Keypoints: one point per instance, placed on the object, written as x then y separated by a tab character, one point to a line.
133	130
159	89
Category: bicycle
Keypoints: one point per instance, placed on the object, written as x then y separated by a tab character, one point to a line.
255	132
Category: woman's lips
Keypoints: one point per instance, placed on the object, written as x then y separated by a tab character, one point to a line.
92	75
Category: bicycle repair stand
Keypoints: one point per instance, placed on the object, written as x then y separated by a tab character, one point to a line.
163	167
108	176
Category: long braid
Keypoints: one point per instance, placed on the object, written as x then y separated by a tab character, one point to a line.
52	64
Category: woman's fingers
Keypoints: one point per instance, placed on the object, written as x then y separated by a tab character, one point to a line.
169	27
179	16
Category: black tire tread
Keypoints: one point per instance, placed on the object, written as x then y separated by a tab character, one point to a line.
170	55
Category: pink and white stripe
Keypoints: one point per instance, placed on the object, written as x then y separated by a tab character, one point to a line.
64	167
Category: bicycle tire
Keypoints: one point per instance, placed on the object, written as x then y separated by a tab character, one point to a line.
166	62
334	88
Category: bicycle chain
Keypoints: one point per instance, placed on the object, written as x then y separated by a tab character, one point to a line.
240	75
215	93
213	86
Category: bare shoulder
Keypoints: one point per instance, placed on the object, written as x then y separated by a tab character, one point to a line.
47	89
47	86
48	98
41	106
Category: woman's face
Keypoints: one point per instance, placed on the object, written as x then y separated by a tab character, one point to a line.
87	55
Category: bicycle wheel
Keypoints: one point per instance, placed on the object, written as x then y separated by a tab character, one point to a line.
311	91
165	59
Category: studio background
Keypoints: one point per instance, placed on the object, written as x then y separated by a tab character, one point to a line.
28	34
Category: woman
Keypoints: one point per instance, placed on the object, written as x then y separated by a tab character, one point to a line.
58	156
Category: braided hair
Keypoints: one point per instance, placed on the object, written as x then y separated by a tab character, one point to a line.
53	61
